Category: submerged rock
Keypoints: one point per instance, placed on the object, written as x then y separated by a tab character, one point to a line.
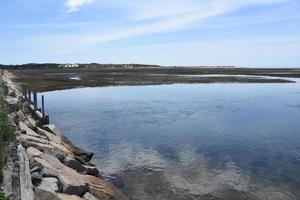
116	180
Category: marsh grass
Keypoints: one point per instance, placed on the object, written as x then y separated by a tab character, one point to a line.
43	79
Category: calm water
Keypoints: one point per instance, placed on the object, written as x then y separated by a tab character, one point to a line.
201	141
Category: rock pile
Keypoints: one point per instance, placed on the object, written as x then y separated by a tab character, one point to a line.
57	169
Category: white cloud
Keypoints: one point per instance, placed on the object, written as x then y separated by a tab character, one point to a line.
166	16
156	16
171	15
74	5
155	9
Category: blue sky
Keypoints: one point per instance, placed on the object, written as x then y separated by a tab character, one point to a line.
249	33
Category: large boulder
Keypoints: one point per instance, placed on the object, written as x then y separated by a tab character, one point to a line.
49	184
61	147
34	139
40	146
33	152
12	93
41	194
71	182
102	189
74	164
68	197
12	102
26	130
49	172
36	178
78	152
91	170
89	196
50	135
77	184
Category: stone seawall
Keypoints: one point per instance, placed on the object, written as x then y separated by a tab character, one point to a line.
50	166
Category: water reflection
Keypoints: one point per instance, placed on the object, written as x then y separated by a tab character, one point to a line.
207	141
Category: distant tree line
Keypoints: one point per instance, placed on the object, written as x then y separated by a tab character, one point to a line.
87	65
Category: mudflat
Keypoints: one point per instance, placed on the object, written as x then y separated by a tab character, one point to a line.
46	78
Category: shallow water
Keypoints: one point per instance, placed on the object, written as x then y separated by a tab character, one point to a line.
189	141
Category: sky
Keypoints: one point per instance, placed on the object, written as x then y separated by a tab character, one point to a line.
246	33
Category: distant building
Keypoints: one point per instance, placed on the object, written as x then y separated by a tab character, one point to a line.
67	65
129	66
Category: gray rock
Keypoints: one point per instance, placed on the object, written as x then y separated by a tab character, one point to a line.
89	196
36	169
41	194
12	102
25	178
90	170
74	164
68	197
77	184
49	184
72	183
83	154
48	172
12	94
33	152
36	178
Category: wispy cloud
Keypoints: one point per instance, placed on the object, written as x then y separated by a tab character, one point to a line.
141	18
166	16
74	5
156	16
156	9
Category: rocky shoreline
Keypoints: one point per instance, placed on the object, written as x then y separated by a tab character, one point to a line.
45	164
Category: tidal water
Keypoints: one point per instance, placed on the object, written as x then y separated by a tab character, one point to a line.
188	141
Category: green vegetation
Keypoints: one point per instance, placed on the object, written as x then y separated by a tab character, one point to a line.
7	132
3	197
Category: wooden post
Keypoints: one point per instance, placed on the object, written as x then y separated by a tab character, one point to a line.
29	95
25	93
22	89
43	106
35	100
